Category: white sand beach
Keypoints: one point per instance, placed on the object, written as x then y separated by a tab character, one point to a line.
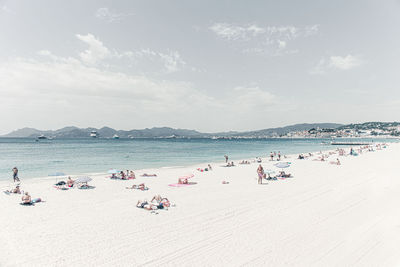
326	215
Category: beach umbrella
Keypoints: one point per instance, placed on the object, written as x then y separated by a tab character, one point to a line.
113	171
57	174
83	179
282	165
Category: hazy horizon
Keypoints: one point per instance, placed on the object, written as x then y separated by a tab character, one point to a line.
207	66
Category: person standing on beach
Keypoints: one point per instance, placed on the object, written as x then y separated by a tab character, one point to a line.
226	159
15	174
279	155
260	172
272	156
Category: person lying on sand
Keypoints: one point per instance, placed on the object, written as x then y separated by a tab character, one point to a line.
145	205
85	186
183	181
149	175
225	182
16	190
26	199
284	175
337	162
320	159
140	187
161	201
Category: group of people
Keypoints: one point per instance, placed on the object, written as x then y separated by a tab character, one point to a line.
26	198
262	175
124	176
65	185
273	155
156	203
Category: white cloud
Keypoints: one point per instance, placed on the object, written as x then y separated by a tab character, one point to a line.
345	63
106	14
253	97
336	62
232	32
269	40
96	51
6	9
80	93
171	60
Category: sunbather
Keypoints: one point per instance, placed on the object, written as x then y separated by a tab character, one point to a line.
145	205
26	199
183	181
16	190
284	175
162	202
140	187
337	162
149	175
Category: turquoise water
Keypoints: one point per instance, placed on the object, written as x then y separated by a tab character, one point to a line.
74	156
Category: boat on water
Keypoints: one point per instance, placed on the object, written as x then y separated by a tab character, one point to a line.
115	136
349	143
42	137
94	134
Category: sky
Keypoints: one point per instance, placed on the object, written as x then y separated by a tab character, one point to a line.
206	65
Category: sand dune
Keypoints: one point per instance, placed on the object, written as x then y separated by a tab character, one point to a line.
326	215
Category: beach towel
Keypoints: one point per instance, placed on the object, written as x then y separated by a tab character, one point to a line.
182	185
27	204
37	200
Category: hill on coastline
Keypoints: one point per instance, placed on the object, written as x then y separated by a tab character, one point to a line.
159	132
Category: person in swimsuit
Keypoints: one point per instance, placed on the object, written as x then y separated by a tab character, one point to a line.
26	199
15	174
16	190
149	175
70	182
260	172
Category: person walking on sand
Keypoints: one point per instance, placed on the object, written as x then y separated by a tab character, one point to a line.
15	174
226	159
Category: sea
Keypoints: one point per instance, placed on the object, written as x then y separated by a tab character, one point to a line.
83	156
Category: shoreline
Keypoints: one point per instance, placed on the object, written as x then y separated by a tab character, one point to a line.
189	165
323	216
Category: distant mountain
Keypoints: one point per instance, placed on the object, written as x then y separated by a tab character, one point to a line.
370	125
106	132
162	132
24	132
291	128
